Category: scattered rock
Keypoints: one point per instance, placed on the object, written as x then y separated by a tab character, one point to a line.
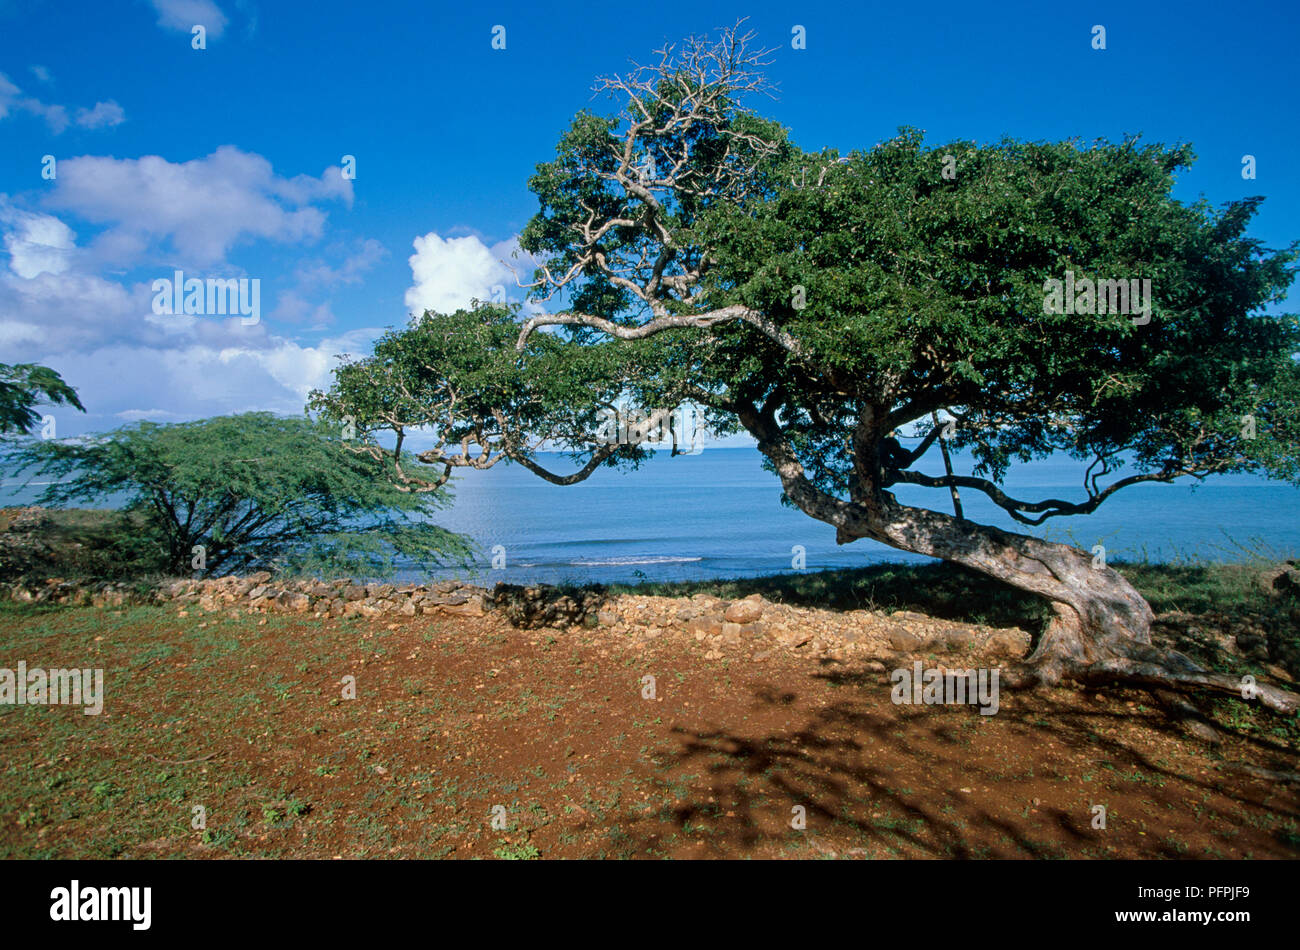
743	611
909	616
293	602
472	607
959	639
1012	643
1248	641
903	641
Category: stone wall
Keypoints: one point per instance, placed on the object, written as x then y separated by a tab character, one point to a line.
719	624
527	607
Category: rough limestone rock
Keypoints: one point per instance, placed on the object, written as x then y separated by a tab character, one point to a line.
743	611
903	641
293	602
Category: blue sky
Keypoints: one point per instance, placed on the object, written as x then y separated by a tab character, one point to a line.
225	161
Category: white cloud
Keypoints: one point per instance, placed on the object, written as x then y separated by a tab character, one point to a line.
299	303
38	243
41	73
129	382
184	15
450	272
56	117
297	369
8	95
76	311
153	415
15	333
201	207
319	274
102	115
54	299
65	303
293	307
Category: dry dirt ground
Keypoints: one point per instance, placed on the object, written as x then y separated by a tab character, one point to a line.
462	724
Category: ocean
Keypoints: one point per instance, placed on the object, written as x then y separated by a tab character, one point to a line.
718	514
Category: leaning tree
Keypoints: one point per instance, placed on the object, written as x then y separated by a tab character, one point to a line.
1044	297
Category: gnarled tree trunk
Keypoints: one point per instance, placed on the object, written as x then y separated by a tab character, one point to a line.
1102	627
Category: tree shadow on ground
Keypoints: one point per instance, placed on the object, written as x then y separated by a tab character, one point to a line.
943	590
878	780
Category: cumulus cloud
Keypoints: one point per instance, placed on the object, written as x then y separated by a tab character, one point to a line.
62	307
184	15
37	243
77	265
15	333
128	382
450	272
186	382
72	311
199	208
58	297
54	299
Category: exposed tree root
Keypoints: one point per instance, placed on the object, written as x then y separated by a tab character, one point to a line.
1067	653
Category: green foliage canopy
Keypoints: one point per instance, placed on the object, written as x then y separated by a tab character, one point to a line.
22	387
825	303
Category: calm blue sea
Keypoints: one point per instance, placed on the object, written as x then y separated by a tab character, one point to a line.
718	514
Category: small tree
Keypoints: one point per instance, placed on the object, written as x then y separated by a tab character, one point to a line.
822	303
247	491
22	387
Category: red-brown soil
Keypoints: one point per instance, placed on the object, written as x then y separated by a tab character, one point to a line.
244	716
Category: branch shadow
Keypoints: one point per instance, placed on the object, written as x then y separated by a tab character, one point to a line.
880	780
